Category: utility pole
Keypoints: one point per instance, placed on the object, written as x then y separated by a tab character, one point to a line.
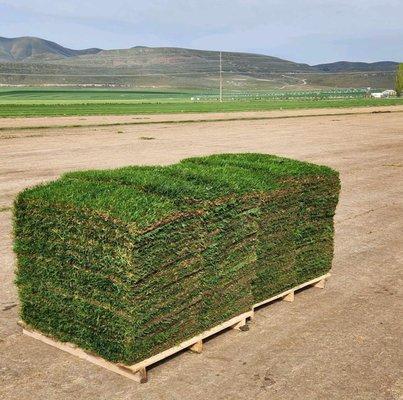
220	76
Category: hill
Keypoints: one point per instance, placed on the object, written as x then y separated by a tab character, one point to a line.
163	59
32	49
34	61
346	66
35	49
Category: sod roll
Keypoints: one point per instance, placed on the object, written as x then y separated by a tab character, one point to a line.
127	263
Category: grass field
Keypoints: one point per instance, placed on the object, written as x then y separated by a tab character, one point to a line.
76	95
23	102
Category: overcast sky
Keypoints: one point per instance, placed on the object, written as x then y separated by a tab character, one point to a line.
311	31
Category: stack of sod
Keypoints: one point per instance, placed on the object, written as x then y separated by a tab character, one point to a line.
130	262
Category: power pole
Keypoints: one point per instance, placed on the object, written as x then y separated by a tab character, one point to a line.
220	77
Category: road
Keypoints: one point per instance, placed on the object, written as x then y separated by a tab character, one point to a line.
11	124
343	342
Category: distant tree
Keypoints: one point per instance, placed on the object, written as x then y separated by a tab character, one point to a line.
399	80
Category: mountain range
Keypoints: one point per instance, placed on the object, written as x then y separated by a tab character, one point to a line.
35	61
32	49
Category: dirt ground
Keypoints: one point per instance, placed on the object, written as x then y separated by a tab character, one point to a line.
343	342
13	123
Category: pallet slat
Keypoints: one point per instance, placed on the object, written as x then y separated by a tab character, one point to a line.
76	351
136	372
317	282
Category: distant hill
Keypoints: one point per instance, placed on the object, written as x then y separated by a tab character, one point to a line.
162	59
28	49
180	60
35	61
347	66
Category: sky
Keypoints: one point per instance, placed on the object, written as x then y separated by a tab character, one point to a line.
309	31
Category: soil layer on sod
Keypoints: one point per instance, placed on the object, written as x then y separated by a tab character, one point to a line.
127	263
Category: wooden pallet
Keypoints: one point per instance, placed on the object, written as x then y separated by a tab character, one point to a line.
138	371
288	295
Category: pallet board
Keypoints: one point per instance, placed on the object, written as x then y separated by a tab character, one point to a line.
138	371
288	295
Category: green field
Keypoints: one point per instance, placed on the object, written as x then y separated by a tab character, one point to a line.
32	102
80	96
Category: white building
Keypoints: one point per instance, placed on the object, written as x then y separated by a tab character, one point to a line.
388	93
385	93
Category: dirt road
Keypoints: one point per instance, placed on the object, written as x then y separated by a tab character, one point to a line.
343	342
105	120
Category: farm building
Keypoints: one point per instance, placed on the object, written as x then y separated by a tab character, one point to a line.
384	94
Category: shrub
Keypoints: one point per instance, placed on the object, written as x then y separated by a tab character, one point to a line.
399	79
129	262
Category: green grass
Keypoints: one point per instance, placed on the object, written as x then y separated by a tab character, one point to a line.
35	102
129	262
399	80
74	95
124	108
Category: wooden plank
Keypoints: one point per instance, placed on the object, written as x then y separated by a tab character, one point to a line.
136	372
239	325
289	297
320	284
197	347
190	342
292	290
137	376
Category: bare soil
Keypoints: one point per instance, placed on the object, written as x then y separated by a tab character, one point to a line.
38	122
343	342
